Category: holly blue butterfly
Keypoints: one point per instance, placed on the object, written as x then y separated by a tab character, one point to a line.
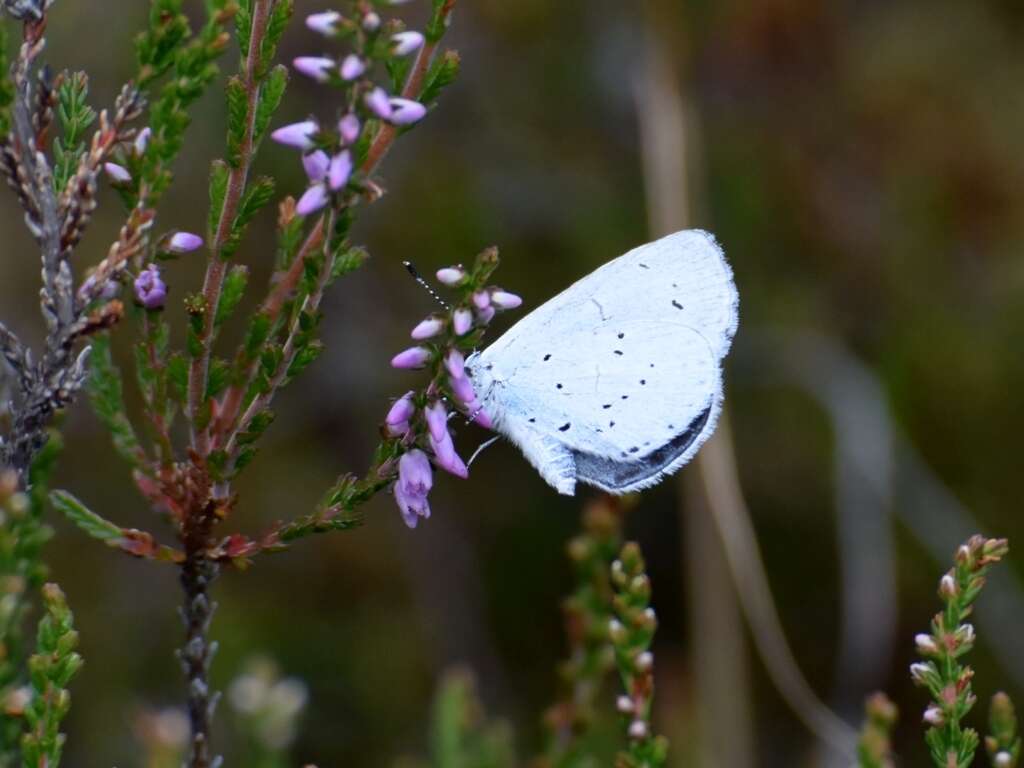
616	382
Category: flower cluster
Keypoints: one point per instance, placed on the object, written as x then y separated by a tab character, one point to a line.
418	421
330	154
951	637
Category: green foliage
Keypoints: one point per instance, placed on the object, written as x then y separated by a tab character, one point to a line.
632	634
219	175
874	749
270	100
439	19
75	116
280	17
1003	743
169	48
443	72
234	289
51	668
106	394
942	673
6	85
460	734
84	518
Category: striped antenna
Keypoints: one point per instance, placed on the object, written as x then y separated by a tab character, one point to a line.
424	284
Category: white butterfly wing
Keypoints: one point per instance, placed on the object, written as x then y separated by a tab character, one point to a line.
616	381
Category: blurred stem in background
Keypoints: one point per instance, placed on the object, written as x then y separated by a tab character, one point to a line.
722	690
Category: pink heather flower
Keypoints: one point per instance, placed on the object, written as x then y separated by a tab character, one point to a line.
340	171
446	457
429	328
481	299
142	140
117	173
505	300
401	411
312	200
451	275
462	321
455	363
437	419
378	103
462	388
316	67
299	135
352	67
109	290
926	645
407	42
406	111
414	357
184	242
348	128
485	315
415	479
316	165
325	23
933	716
371	22
150	290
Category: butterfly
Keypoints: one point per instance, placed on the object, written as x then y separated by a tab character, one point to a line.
616	382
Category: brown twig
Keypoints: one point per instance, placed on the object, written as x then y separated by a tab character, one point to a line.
213	283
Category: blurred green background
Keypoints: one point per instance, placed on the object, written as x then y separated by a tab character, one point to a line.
861	164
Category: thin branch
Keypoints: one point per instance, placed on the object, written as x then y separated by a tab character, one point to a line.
216	270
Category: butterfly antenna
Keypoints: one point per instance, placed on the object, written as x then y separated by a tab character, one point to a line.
480	450
424	284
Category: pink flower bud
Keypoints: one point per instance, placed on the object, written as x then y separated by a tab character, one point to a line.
926	645
933	716
429	328
316	165
446	457
348	128
378	103
142	141
437	419
462	388
481	299
638	730
402	410
325	23
947	587
505	300
313	200
371	22
485	315
645	662
415	479
341	170
352	67
407	42
455	363
462	321
298	135
317	67
117	173
414	357
184	242
625	705
406	111
451	275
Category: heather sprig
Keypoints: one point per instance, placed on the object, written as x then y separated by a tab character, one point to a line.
874	748
1003	743
942	672
418	422
51	669
631	634
587	614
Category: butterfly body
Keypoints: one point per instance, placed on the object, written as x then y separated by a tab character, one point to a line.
616	381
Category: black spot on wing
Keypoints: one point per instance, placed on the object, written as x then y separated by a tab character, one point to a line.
616	474
676	304
564	428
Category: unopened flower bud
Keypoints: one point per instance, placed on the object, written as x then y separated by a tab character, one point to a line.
462	321
624	705
455	363
462	388
407	42
485	315
451	275
437	419
505	300
1002	759
414	357
645	662
933	716
947	587
316	67
402	410
325	23
117	173
316	164
378	103
481	299
428	328
312	200
298	135
446	457
142	141
352	67
340	170
616	632
371	22
406	111
926	645
184	242
348	128
638	730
